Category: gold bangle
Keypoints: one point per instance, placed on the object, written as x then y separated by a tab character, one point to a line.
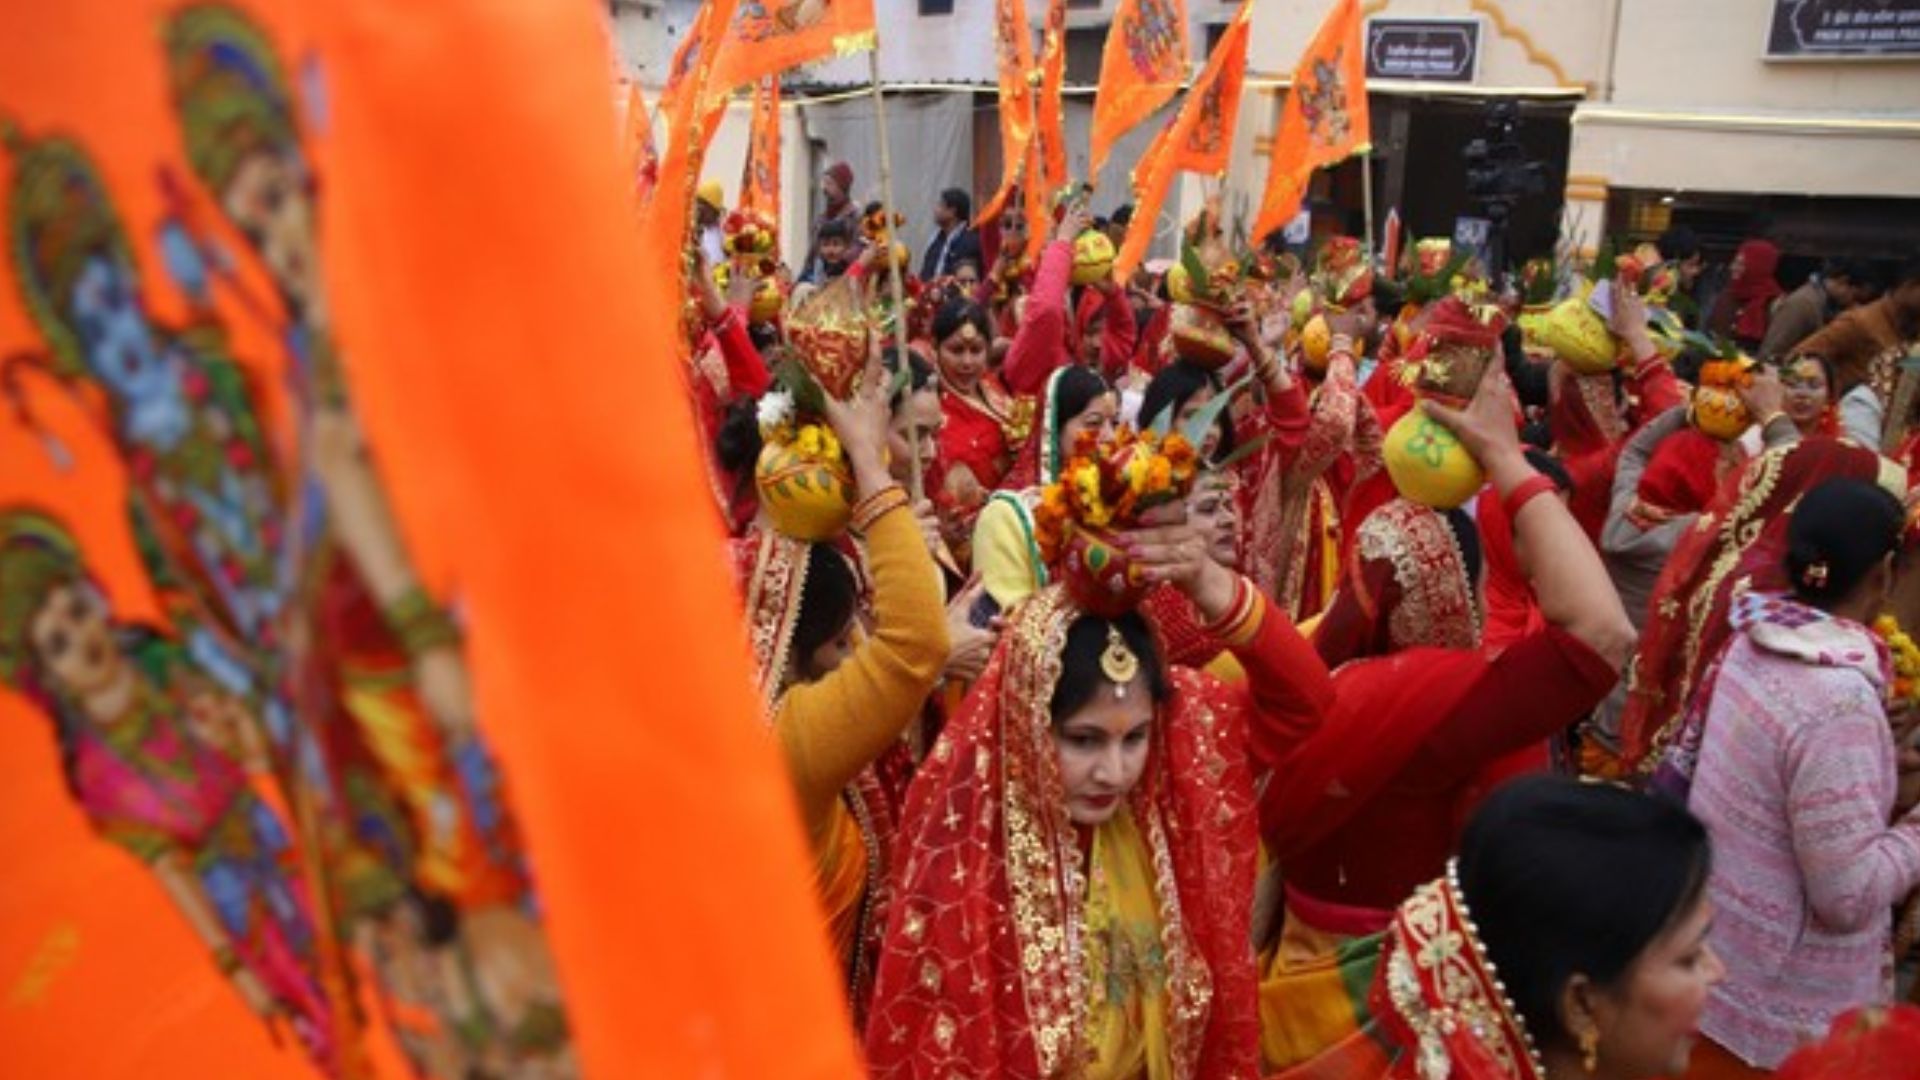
225	959
875	506
421	625
1767	421
1237	627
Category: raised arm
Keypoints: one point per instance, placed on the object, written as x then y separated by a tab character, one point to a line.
1568	578
1040	345
832	728
1288	686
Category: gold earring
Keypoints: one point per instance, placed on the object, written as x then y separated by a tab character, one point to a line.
1590	1051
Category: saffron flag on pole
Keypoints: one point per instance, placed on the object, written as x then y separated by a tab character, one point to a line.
760	176
1198	140
692	115
768	37
1325	118
1142	67
1013	51
1050	118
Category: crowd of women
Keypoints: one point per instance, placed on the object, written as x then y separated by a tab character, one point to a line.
1188	675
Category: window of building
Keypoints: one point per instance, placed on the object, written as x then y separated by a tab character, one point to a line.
936	7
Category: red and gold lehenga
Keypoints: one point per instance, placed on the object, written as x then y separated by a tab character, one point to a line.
1739	545
1004	956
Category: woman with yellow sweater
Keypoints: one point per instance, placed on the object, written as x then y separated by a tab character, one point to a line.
839	700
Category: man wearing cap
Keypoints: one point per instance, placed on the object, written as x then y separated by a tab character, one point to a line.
836	184
710	203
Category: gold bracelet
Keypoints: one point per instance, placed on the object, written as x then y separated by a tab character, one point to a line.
875	506
1767	421
225	959
421	625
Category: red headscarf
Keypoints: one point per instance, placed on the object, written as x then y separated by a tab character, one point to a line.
1680	480
1739	546
1755	289
981	974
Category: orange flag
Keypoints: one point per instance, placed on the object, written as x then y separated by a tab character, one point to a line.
636	124
760	176
1144	63
772	36
1325	118
1013	48
1051	127
1199	139
693	113
187	450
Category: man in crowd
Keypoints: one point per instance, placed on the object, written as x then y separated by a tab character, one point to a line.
709	204
1842	284
1856	336
956	241
836	187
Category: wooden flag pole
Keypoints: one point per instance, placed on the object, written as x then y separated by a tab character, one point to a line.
916	484
1366	200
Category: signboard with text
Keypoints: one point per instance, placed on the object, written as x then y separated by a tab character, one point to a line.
1844	29
1423	50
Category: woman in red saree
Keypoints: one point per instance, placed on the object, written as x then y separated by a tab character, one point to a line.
1567	941
1042	927
1411	734
1738	547
983	423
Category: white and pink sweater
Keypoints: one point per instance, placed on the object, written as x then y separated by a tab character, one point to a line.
1795	783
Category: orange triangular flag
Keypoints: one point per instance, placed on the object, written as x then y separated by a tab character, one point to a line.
760	176
1325	118
1013	50
1051	126
1198	140
1144	63
767	39
692	116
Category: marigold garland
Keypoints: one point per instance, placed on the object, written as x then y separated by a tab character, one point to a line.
1906	659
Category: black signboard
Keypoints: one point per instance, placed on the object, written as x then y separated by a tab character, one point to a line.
1424	50
1811	29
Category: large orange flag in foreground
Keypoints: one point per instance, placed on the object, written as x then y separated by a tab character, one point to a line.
1013	49
1142	67
348	722
1200	138
1325	118
773	36
760	176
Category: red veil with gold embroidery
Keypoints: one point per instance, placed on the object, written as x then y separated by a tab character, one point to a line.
1737	545
983	969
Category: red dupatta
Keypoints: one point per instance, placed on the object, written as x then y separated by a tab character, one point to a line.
983	969
1738	545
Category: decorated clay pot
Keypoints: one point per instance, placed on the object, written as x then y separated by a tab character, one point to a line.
1578	336
1180	284
1199	336
766	303
1098	574
834	355
1092	258
1301	308
1316	338
1718	412
1428	465
804	497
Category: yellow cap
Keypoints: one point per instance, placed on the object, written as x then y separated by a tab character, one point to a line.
711	194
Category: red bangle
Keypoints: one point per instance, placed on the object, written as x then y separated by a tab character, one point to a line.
1524	493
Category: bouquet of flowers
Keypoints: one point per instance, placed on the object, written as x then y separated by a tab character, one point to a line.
1109	486
749	239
